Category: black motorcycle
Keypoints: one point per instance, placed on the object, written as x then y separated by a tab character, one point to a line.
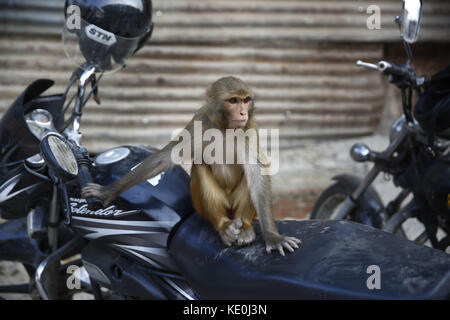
418	159
150	244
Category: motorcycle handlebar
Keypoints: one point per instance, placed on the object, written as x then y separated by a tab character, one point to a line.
400	72
389	68
84	178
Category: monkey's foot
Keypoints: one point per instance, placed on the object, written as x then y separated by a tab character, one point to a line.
280	243
246	236
230	233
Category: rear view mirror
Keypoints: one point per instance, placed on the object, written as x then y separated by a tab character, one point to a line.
410	21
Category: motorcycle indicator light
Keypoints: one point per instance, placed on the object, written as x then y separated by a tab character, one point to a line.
40	122
35	161
42	117
360	152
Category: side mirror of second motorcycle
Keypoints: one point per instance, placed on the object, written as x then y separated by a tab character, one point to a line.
410	20
360	152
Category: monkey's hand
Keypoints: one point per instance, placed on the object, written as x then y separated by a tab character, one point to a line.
279	242
104	193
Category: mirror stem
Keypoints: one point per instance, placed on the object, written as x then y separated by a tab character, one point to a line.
408	52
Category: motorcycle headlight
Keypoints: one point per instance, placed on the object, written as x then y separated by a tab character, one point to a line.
396	128
59	156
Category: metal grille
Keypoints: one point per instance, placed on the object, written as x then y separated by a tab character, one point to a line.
298	56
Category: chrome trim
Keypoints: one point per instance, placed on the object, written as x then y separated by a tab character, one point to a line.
383	65
30	221
84	276
35	160
38	128
359	152
150	261
104	232
73	135
86	75
53	133
112	156
367	65
151	250
178	289
164	264
40	269
156	224
397	127
9	185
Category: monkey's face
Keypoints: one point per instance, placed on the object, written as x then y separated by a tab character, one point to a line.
237	110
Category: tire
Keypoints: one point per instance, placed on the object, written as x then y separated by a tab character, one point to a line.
330	201
332	198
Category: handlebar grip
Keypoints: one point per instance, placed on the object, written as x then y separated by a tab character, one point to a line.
84	177
390	68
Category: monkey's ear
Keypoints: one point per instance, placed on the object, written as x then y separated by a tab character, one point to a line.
209	97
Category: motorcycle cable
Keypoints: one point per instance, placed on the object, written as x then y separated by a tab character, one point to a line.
94	90
77	74
11	164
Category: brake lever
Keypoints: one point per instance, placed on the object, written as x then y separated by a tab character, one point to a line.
367	65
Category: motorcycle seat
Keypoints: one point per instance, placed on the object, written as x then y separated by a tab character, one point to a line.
335	260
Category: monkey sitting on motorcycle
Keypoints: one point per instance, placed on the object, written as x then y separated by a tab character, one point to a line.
228	195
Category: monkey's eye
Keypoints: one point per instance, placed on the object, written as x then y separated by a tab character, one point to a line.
247	100
233	100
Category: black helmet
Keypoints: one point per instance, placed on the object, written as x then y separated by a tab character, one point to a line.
105	33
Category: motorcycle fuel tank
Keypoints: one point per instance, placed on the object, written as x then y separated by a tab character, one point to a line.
139	221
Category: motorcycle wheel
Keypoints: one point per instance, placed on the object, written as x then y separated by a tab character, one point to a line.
330	201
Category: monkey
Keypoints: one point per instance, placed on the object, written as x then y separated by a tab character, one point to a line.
229	196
